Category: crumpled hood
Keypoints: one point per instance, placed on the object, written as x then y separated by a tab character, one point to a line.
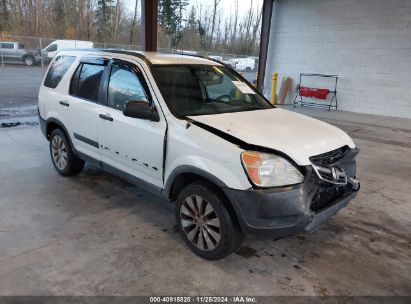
296	135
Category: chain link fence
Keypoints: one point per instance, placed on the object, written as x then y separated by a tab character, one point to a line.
23	62
39	51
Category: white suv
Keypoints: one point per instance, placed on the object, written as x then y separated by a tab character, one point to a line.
195	132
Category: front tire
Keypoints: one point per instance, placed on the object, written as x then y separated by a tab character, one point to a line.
206	225
28	60
64	160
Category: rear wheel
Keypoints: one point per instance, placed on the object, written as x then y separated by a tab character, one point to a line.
205	223
64	160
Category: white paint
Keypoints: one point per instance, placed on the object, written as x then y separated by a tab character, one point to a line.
367	43
296	135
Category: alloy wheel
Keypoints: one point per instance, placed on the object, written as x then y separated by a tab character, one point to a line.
200	223
59	152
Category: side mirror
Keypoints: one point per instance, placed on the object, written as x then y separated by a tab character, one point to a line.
140	109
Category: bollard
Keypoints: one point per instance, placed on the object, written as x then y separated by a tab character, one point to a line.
274	88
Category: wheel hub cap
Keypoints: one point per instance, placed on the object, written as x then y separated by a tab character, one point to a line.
59	152
200	223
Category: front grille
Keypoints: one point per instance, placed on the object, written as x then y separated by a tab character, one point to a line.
329	158
325	197
332	169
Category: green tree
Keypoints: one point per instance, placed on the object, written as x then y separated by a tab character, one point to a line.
59	17
192	19
170	18
4	16
103	17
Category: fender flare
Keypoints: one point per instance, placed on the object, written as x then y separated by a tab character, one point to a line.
61	125
189	169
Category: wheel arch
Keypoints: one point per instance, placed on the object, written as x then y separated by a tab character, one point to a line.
183	175
52	124
28	55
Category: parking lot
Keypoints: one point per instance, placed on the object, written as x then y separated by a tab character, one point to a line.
96	234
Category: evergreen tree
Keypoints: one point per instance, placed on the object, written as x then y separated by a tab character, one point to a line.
59	18
192	19
170	18
4	16
103	17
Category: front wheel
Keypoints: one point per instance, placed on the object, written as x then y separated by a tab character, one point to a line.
208	228
28	60
64	160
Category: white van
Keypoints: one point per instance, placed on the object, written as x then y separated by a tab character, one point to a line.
58	45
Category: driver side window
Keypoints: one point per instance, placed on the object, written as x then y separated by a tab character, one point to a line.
124	85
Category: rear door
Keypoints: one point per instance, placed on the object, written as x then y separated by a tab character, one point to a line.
86	101
133	145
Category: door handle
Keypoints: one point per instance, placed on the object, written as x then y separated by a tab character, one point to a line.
64	103
106	117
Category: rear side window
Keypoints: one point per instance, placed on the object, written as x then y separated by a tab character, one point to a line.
51	48
7	45
86	81
57	70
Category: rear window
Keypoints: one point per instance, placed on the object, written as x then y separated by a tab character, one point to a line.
57	70
86	81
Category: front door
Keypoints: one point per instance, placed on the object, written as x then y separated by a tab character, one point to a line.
132	145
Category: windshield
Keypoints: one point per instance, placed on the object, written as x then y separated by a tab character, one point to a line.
204	89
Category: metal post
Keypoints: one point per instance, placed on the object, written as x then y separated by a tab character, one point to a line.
264	41
41	54
149	10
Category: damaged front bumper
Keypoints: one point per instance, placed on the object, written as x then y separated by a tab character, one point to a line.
283	211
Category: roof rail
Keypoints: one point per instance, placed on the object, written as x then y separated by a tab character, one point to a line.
208	58
114	50
130	53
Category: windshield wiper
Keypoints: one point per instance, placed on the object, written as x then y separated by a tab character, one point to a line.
250	109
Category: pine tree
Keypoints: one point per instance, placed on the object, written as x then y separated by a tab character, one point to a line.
170	17
103	18
4	16
192	19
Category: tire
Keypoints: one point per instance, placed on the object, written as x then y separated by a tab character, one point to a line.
28	60
199	226
64	160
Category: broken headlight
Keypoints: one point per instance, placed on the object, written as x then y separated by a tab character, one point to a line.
269	170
